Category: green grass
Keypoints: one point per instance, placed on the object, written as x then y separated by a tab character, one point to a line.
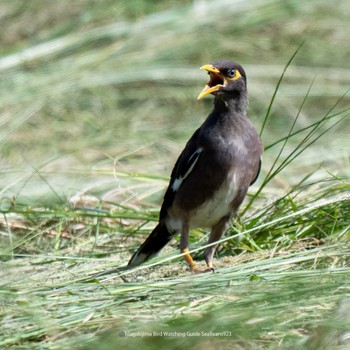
97	100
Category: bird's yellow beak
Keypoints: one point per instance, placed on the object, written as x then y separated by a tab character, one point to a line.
216	81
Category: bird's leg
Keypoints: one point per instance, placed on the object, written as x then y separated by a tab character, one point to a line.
215	234
184	247
188	259
192	265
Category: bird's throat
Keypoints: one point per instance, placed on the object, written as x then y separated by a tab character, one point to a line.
234	105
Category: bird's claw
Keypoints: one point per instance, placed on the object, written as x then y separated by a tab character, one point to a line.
197	271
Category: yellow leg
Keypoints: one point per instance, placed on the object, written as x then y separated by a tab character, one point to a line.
189	259
192	265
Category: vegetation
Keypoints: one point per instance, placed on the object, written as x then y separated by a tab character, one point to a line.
97	100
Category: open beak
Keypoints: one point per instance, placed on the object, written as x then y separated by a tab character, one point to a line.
216	81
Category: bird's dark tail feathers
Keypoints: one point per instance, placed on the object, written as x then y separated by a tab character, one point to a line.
157	240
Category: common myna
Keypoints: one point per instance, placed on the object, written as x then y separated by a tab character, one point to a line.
214	171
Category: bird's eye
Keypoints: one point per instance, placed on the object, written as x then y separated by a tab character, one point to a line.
231	73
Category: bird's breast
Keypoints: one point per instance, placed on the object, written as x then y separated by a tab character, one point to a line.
217	206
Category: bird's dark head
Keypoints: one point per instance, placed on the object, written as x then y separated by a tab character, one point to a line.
227	79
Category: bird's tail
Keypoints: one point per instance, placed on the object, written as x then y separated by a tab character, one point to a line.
157	240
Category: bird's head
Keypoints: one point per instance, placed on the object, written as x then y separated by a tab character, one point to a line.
227	79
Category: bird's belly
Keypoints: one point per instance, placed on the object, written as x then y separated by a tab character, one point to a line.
213	210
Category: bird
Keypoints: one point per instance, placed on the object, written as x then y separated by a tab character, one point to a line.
212	175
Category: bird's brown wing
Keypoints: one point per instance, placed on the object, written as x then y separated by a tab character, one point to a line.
257	173
183	167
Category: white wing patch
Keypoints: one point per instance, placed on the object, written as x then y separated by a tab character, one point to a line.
192	160
177	183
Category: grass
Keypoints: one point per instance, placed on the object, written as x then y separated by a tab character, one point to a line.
97	100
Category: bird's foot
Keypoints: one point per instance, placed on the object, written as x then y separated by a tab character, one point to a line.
192	265
196	270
